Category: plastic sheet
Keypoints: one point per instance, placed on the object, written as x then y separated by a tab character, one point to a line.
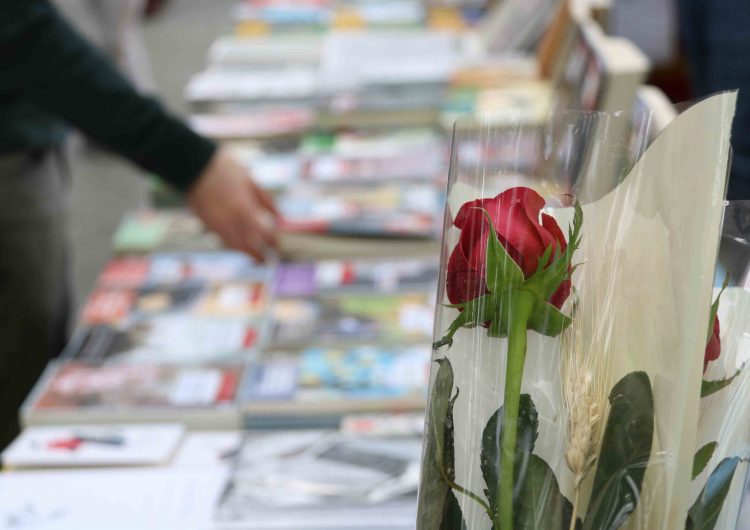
571	334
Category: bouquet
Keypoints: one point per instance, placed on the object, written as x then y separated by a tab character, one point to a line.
576	326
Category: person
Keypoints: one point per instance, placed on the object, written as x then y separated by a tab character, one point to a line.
50	77
716	39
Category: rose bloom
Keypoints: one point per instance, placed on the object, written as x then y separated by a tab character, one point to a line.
713	348
521	228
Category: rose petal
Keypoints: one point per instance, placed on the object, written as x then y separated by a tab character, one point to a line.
462	283
562	293
713	348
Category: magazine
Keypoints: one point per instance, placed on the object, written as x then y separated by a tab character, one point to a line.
167	338
352	319
384	211
355	276
201	396
116	305
329	382
169	268
264	123
166	230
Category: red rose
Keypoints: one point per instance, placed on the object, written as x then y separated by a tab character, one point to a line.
523	232
713	348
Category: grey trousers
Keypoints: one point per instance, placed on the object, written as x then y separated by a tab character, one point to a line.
34	275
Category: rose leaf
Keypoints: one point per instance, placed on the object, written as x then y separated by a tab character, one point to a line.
707	508
547	320
453	518
541	505
491	453
624	454
715	308
704	454
439	450
711	387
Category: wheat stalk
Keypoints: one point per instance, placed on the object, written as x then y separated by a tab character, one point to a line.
585	383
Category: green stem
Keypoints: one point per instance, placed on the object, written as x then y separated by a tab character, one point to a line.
522	303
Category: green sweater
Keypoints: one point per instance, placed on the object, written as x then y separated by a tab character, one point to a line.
50	77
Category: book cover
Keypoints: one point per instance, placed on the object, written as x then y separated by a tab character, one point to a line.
117	305
355	276
167	338
382	210
332	381
199	396
81	386
169	268
147	230
353	318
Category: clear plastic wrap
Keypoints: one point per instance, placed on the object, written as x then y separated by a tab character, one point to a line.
571	331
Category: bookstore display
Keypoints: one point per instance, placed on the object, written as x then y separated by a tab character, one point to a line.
478	230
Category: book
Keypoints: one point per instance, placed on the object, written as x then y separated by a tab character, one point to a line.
514	25
388	210
272	171
116	305
171	268
352	319
271	51
177	338
263	123
308	246
409	154
404	424
357	59
323	383
355	276
174	229
602	73
93	446
520	103
299	480
115	499
298	84
200	397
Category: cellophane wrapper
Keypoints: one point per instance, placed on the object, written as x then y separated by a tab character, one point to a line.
640	302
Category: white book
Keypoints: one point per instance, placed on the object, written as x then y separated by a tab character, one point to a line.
252	85
269	51
123	499
93	446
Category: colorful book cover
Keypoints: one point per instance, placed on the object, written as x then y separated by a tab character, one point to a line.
86	389
169	268
383	210
352	318
330	380
117	305
166	338
167	230
336	276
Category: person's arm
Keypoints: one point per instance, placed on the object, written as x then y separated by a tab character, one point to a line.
44	60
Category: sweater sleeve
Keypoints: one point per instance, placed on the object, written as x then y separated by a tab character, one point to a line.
45	61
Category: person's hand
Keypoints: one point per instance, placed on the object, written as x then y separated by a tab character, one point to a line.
231	204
